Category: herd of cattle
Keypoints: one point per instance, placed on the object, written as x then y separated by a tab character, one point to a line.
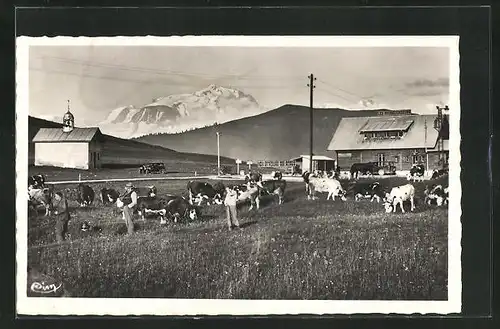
177	207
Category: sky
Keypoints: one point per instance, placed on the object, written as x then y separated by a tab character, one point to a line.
98	79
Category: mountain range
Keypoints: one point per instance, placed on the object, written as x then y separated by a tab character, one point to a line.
181	112
279	134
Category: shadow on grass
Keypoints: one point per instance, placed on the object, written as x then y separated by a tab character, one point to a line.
246	224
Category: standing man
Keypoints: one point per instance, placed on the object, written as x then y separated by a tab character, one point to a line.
129	205
230	203
59	207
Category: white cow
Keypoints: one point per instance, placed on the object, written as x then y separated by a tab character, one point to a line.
325	184
249	191
399	194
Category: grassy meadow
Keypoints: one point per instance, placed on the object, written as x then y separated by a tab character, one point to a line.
299	250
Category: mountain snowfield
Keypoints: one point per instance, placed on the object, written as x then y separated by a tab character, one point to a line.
177	113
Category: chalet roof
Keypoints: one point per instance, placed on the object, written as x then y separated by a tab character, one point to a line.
58	135
348	135
446	146
315	157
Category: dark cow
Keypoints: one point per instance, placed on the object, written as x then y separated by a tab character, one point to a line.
147	206
417	172
367	190
438	173
85	195
276	187
179	208
109	195
253	177
37	197
200	191
436	194
277	175
146	191
36	182
368	168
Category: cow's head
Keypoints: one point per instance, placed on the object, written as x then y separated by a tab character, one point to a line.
218	199
388	206
152	191
119	203
192	214
342	194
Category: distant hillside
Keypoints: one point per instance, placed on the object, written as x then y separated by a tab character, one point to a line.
278	134
123	151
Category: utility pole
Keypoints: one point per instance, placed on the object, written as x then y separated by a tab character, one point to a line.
218	154
438	125
311	88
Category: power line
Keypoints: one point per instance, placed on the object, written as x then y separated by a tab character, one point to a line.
336	95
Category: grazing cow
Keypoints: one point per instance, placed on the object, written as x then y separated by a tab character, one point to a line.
368	168
367	190
36	182
399	194
250	191
42	197
317	184
146	191
438	173
200	191
109	195
179	208
276	187
85	195
253	177
277	175
416	172
436	193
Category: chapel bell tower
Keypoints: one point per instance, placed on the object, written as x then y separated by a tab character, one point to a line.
68	121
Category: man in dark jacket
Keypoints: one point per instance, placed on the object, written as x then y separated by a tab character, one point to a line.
129	200
59	205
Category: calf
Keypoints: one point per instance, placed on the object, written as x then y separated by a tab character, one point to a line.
416	172
330	185
42	197
200	191
436	193
85	195
367	190
36	182
397	195
109	195
276	187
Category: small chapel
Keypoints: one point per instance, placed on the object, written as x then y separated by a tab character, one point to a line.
68	146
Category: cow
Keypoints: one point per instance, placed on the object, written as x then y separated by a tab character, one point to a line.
249	191
36	182
85	195
172	206
368	168
200	191
109	195
277	175
146	191
417	172
276	187
367	190
438	173
436	193
42	197
399	194
318	184
179	208
253	177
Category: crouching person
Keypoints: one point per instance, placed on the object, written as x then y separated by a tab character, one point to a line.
128	204
231	212
59	205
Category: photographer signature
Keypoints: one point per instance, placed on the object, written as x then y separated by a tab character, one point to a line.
43	288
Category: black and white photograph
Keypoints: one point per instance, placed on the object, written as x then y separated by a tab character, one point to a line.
240	175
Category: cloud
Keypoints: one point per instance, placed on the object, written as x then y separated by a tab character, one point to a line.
419	83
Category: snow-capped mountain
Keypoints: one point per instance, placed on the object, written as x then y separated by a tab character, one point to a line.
177	113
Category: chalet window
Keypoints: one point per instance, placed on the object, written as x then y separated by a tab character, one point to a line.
381	159
396	158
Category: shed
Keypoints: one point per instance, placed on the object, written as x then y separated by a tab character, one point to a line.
320	162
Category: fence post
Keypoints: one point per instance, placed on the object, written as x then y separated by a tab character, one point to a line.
79	177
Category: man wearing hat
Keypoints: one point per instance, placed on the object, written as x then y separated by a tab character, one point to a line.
129	204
